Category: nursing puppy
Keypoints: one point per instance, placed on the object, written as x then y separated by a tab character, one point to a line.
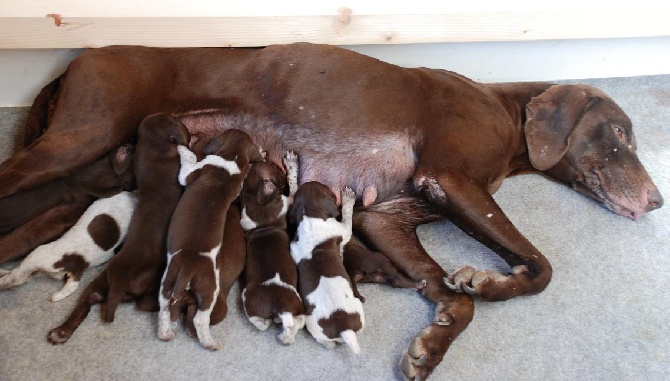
90	242
232	258
196	229
270	273
134	273
334	314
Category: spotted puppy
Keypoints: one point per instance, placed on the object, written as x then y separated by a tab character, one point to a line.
271	275
90	242
197	225
334	314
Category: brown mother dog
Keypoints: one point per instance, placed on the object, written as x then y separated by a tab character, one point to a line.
417	144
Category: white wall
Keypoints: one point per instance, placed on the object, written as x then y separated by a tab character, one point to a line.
23	72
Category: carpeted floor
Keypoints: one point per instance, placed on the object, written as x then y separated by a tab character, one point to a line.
605	316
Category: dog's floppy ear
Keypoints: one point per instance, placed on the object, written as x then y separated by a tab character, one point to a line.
297	210
551	117
121	159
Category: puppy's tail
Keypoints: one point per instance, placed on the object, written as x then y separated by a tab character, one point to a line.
349	337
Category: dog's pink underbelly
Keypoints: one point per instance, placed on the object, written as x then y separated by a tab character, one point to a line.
375	166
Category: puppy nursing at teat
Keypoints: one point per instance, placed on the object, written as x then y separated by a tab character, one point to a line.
271	275
196	229
90	242
334	314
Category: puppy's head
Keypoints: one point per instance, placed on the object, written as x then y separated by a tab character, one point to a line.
234	145
264	183
313	199
165	127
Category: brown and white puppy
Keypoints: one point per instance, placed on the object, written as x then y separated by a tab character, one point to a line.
334	314
270	273
368	266
232	257
134	273
90	242
41	214
196	229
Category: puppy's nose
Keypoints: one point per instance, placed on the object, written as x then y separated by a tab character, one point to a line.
654	200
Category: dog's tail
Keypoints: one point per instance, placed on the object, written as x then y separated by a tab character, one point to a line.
349	337
41	111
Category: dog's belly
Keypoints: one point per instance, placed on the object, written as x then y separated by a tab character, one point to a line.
372	164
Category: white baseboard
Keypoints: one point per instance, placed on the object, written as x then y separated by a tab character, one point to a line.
25	71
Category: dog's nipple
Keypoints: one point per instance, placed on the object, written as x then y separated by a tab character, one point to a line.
369	195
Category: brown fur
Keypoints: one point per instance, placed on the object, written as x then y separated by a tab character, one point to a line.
197	226
268	251
444	145
134	273
366	266
104	231
59	203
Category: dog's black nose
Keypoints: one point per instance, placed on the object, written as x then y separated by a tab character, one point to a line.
654	200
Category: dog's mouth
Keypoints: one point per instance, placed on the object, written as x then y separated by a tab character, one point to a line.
592	186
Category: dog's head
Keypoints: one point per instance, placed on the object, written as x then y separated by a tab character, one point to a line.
264	183
313	199
577	135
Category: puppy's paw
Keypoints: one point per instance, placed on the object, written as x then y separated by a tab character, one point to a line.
59	336
348	196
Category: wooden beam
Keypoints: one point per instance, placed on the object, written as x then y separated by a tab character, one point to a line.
81	24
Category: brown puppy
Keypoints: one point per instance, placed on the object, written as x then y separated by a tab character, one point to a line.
368	266
196	229
41	214
334	314
416	144
233	257
270	273
134	273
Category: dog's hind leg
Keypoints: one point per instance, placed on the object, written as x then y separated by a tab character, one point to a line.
70	286
398	220
40	230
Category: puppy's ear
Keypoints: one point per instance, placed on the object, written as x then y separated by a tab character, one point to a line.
213	146
330	204
551	117
297	210
177	132
121	159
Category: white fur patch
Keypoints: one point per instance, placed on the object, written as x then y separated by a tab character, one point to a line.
286	202
189	165
78	241
246	221
276	280
331	294
313	231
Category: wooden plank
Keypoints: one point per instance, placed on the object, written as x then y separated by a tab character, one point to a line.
69	24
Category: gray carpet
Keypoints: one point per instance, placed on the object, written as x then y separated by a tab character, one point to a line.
605	315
